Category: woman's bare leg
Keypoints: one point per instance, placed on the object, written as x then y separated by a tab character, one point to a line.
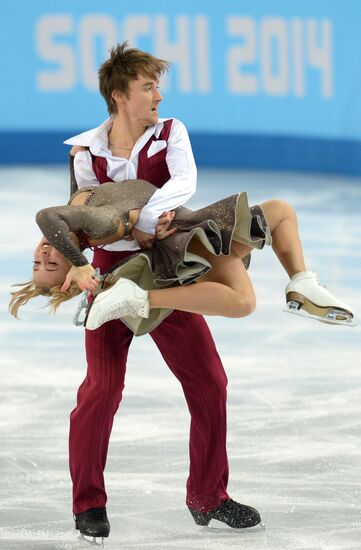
286	243
285	235
304	294
226	290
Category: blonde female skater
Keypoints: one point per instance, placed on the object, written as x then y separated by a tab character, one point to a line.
205	246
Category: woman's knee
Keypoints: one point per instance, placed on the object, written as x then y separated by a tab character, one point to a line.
284	209
276	211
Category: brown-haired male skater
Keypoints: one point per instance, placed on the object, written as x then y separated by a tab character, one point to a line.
135	143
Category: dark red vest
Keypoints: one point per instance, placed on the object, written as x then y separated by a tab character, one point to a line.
153	169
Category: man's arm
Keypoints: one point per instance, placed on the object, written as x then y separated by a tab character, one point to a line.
80	170
73	183
82	167
181	185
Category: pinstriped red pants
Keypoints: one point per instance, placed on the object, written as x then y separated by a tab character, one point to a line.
187	347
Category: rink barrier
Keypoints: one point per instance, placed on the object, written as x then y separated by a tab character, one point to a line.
210	150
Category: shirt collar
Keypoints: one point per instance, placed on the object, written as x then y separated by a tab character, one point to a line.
97	138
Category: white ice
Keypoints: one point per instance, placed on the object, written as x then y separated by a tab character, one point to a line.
294	406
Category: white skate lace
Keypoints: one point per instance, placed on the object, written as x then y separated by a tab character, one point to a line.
317	277
109	315
133	309
126	308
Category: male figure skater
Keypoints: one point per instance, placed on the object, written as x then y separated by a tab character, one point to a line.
135	143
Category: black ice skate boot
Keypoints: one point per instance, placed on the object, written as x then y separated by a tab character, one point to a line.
238	516
93	523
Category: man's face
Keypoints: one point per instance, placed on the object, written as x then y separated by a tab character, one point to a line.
143	98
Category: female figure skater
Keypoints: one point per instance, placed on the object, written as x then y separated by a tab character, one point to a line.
205	246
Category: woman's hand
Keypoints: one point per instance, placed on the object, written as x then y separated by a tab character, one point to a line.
83	276
164	221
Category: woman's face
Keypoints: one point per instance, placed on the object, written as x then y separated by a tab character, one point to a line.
50	267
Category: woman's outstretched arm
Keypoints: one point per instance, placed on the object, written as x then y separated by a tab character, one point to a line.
56	224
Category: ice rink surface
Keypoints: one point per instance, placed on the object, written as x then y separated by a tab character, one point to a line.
294	405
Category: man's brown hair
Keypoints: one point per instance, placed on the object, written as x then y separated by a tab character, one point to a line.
124	65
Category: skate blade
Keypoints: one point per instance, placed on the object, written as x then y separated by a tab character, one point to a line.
216	525
93	541
331	317
82	311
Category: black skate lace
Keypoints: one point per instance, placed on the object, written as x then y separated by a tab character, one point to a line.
226	504
98	514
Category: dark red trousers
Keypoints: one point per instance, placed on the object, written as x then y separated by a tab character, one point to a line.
187	347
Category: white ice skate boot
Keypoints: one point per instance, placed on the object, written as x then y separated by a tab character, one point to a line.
307	297
124	298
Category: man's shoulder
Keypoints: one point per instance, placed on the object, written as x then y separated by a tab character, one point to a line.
176	125
85	138
172	120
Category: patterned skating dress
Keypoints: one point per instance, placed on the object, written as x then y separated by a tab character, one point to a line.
169	263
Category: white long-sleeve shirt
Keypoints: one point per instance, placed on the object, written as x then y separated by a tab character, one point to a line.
180	161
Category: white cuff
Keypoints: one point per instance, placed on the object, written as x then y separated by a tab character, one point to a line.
145	224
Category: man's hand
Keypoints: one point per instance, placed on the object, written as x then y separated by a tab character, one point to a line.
164	221
145	240
83	276
75	149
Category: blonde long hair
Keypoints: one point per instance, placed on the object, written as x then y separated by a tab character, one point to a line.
30	290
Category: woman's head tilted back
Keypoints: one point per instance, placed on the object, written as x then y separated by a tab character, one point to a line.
49	266
49	272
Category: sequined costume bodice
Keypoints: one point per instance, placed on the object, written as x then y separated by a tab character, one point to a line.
105	207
